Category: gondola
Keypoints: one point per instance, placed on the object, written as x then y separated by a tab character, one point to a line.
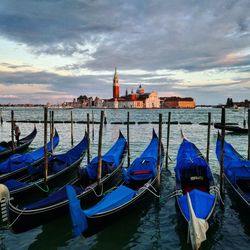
236	171
6	147
17	165
56	204
139	181
232	128
60	167
194	183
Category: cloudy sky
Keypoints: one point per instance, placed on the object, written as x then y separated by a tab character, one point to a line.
55	50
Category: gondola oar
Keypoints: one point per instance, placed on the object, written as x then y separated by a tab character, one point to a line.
197	227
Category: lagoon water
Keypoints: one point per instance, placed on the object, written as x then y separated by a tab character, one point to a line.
156	225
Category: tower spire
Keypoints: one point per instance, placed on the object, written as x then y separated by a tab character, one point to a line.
116	87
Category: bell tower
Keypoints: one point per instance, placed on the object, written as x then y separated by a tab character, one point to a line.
116	87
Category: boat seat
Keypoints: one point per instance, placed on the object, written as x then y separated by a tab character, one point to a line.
141	172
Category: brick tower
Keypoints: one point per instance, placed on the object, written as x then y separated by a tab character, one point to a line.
116	87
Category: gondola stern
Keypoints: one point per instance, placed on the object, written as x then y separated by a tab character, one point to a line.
121	134
78	217
154	135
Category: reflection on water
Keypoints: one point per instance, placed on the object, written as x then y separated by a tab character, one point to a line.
155	225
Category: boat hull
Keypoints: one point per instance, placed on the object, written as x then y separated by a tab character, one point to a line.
97	222
33	218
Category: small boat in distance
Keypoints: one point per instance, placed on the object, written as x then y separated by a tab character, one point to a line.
139	181
237	172
6	147
195	193
232	128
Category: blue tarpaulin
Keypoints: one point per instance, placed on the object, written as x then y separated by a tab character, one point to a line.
145	166
111	158
234	164
18	161
189	157
118	197
202	203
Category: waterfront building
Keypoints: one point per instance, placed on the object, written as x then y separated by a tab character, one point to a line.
139	99
177	102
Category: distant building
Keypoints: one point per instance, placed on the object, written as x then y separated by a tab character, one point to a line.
177	102
140	99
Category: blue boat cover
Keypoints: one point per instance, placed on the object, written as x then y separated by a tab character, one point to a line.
112	200
202	203
78	218
18	161
190	157
235	165
111	159
2	148
56	164
145	166
12	184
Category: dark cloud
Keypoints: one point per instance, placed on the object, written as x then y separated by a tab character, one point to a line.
148	35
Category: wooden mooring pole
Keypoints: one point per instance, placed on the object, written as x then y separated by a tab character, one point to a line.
88	154
248	154
72	132
128	139
50	125
208	135
45	145
53	129
1	117
222	180
99	174
12	131
168	137
93	128
159	152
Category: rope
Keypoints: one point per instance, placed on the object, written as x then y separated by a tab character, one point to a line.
216	190
10	225
147	187
45	191
97	195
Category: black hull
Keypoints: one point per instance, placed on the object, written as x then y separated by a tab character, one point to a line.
54	181
33	218
100	221
231	128
18	173
237	196
23	145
